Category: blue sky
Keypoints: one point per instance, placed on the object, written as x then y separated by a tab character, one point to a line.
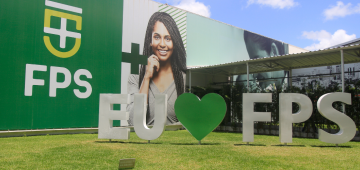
312	25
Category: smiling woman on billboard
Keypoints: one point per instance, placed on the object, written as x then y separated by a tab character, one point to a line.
166	67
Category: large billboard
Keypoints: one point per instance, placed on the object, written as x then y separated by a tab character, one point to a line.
157	33
57	56
211	42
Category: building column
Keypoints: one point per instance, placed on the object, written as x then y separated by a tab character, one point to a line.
247	77
290	78
342	76
189	81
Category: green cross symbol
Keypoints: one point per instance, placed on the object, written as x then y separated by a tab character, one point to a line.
134	58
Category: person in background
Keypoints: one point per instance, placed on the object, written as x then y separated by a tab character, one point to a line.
260	47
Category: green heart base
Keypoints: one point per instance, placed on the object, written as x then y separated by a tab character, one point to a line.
200	117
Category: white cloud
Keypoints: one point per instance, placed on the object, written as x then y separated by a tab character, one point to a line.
325	39
195	7
341	10
274	3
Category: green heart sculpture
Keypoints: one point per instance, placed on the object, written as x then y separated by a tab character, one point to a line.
200	117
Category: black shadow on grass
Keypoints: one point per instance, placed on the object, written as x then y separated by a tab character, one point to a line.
249	144
195	143
289	145
127	142
323	146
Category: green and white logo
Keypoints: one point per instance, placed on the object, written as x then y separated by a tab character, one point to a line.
62	32
57	57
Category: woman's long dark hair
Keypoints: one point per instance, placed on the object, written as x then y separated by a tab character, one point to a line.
178	57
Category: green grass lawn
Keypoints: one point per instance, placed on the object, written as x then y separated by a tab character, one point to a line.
174	150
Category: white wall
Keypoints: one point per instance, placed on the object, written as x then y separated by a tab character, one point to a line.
294	49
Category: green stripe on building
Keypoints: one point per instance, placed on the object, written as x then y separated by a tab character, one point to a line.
179	17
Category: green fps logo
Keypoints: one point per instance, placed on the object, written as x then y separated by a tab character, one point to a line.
62	32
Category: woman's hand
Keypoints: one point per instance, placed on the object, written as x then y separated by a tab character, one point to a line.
152	66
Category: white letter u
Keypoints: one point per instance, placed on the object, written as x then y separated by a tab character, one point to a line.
140	127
